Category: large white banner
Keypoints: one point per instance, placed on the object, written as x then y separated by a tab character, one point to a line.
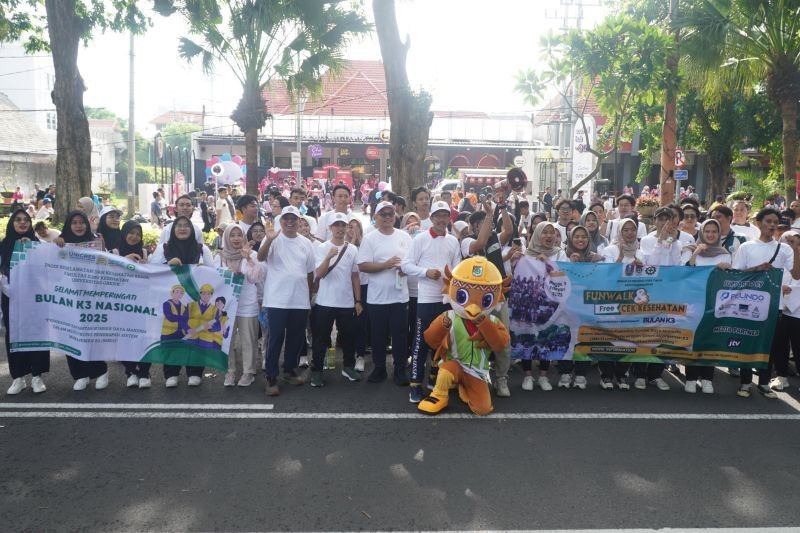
97	306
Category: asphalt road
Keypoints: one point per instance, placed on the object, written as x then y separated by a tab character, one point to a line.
355	456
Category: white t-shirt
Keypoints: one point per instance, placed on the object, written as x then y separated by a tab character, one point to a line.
322	230
336	288
225	214
164	237
754	253
611	253
386	286
660	254
751	232
158	257
712	261
429	253
426	224
563	231
248	298
289	261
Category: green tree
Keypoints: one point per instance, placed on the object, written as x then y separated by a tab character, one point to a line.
621	64
746	44
59	26
293	40
179	134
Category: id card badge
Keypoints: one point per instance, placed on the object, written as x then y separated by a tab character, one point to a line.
400	282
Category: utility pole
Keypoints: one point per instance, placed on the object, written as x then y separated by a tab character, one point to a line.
131	140
669	133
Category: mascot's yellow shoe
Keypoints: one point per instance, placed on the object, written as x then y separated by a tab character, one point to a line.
433	404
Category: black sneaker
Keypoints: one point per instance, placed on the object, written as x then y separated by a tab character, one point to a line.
415	393
292	378
400	378
378	374
767	392
272	387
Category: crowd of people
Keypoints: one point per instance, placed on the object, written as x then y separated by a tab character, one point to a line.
318	277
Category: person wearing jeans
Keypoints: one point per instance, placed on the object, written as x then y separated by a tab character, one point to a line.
287	295
381	255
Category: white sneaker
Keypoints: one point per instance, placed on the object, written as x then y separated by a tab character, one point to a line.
501	388
527	383
303	361
230	380
661	384
779	383
102	382
171	382
17	386
359	366
144	383
80	384
37	384
133	381
195	381
706	386
246	380
690	387
640	383
606	384
544	383
564	381
580	382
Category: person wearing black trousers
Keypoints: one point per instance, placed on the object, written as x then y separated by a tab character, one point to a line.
78	231
20	364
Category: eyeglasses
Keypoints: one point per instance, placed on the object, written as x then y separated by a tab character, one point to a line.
386	214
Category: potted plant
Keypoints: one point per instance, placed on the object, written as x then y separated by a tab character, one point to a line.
105	190
647	206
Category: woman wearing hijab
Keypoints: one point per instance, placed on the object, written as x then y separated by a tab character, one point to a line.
544	245
597	241
108	228
625	248
20	364
130	246
89	209
238	256
707	252
579	251
182	248
77	231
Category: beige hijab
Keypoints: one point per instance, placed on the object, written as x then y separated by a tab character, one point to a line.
535	247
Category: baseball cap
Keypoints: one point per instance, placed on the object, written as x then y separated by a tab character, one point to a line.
338	217
46	201
439	206
665	211
110	209
784	221
384	205
290	210
460	225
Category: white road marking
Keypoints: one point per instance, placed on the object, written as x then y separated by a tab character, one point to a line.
144	406
192	411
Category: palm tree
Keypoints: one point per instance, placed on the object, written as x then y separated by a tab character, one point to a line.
293	40
746	44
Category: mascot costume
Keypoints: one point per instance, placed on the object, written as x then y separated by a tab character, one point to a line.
465	337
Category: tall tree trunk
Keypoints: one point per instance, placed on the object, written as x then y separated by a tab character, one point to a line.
409	113
74	158
718	183
789	140
251	155
669	133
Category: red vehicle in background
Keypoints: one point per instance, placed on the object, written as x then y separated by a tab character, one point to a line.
334	175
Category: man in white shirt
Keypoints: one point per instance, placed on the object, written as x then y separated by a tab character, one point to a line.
741	223
287	295
430	251
564	217
625	205
183	208
247	204
341	204
338	300
297	197
381	255
225	214
764	254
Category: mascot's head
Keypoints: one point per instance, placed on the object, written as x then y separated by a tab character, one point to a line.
474	288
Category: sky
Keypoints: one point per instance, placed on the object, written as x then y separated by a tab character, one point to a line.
465	52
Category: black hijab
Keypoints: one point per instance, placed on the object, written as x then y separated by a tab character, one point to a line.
7	246
111	236
123	247
187	250
71	238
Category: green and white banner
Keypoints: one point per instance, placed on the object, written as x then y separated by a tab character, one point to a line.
97	306
630	313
